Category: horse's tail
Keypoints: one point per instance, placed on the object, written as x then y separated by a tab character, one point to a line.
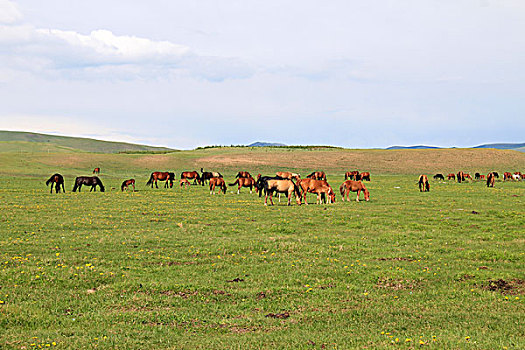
238	175
342	189
150	181
235	183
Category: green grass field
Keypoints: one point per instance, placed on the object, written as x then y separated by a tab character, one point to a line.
178	268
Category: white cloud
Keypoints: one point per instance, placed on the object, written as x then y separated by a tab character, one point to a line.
9	12
110	48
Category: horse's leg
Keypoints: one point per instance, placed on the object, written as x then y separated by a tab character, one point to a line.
155	184
358	192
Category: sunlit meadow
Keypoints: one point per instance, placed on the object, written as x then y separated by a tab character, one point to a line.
178	268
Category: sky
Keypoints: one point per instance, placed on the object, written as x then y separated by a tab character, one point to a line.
183	74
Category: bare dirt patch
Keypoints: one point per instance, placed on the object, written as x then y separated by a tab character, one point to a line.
397	284
512	287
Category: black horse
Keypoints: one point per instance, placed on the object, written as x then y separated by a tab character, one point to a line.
207	175
439	177
56	180
92	181
477	176
496	174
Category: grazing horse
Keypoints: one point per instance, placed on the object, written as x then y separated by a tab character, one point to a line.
92	181
491	178
57	180
364	176
482	177
439	177
516	176
353	186
467	176
317	175
243	174
288	175
161	176
126	184
477	176
424	185
319	187
96	171
460	176
286	186
352	175
183	182
451	177
261	180
244	182
217	182
207	175
496	174
507	176
191	175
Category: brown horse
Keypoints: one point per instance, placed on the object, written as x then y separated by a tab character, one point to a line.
243	174
317	175
217	182
288	175
365	176
244	182
467	176
161	176
207	175
507	176
424	185
126	184
460	176
491	179
319	187
183	182
191	175
96	171
482	177
353	186
451	177
281	186
352	175
57	180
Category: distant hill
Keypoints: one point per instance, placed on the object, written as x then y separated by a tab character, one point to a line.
266	144
514	146
11	140
413	147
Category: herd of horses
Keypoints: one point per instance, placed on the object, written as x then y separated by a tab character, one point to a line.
424	185
282	183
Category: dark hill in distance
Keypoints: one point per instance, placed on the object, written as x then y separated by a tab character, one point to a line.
412	147
24	140
266	144
503	146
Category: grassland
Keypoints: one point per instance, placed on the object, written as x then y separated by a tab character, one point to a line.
177	268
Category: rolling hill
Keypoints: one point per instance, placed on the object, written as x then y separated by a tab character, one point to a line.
29	141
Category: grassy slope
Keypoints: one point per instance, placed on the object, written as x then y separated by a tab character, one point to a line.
73	143
150	269
265	160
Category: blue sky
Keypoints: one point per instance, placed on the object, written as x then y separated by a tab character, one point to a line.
358	74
